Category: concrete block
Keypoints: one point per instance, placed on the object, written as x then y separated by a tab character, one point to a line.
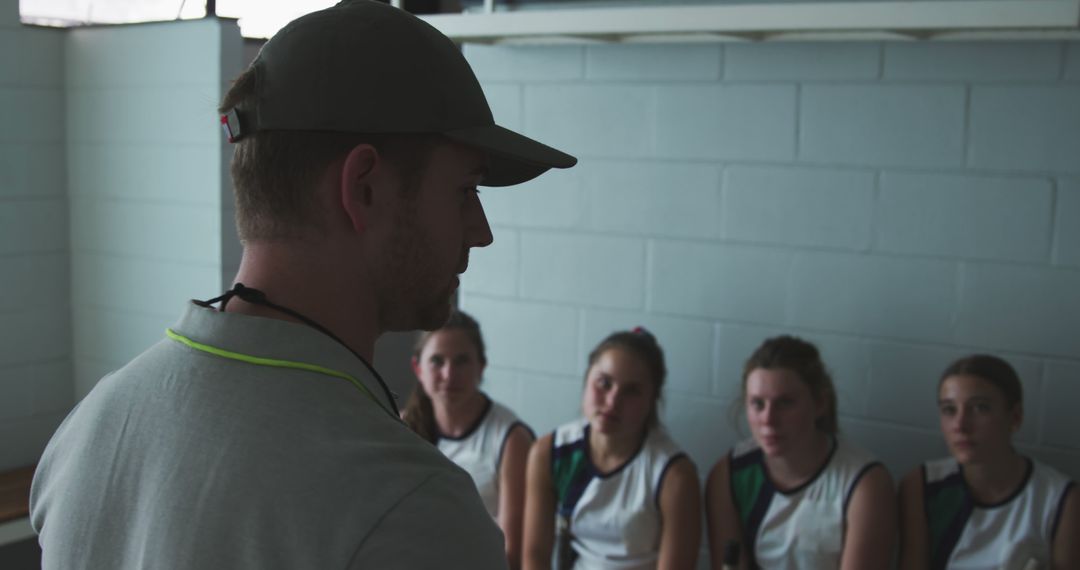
727	282
32	57
140	285
973	61
505	103
1022	308
153	115
798	206
9	14
905	378
33	281
551	400
176	53
1059	420
165	232
502	385
35	335
553	200
594	120
801	61
583	269
33	226
882	125
1067	223
900	449
187	174
1034	128
845	358
664	199
687	345
965	216
702	427
1072	61
873	295
527	336
31	115
740	122
652	62
525	63
32	169
113	335
34	389
493	270
23	440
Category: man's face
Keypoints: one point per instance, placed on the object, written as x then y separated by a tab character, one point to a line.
435	224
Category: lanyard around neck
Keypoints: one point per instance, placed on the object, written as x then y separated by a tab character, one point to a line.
257	297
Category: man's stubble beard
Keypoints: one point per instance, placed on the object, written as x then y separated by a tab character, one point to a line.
407	298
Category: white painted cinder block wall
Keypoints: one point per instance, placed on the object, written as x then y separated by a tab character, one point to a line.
151	201
35	322
899	204
115	203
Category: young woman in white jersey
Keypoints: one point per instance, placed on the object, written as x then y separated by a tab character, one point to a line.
796	495
612	490
986	506
483	437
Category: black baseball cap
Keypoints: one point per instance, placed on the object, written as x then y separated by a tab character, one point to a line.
366	67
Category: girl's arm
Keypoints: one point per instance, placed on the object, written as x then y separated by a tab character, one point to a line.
724	525
539	523
515	454
914	536
871	522
1066	541
680	516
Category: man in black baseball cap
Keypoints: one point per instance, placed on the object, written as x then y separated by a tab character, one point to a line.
256	434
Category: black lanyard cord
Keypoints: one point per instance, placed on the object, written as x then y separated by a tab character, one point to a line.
257	297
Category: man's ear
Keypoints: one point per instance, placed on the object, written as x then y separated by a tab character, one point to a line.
358	173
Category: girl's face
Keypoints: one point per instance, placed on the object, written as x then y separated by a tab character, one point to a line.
781	410
619	394
976	421
449	366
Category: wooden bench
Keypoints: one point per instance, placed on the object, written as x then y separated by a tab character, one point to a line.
15	493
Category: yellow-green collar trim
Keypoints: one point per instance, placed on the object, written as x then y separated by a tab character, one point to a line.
260	361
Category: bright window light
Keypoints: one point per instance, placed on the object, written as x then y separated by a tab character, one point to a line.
257	18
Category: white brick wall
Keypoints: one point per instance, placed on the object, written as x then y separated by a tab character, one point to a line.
151	210
899	204
35	322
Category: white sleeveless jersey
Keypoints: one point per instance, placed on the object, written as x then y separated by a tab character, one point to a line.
614	517
802	528
479	451
968	535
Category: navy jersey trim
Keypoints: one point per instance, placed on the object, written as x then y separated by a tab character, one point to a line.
663	473
506	439
855	483
1015	493
475	426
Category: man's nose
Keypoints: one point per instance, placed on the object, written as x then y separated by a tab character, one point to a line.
479	231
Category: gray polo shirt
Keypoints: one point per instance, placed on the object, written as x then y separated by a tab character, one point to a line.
238	442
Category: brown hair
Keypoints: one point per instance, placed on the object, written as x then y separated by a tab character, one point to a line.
801	357
992	369
418	413
273	172
642	344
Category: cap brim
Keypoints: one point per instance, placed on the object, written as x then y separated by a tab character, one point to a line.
512	158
